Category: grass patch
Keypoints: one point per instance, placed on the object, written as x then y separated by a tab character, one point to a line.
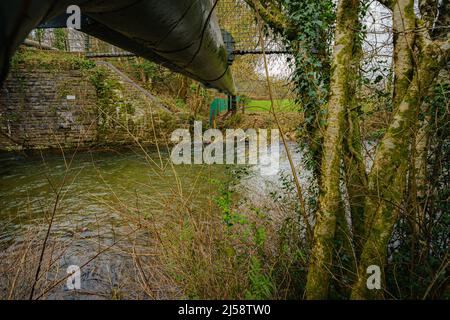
49	60
281	105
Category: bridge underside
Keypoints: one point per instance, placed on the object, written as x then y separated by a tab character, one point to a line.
183	35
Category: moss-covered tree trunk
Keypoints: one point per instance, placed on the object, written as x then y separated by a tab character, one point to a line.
403	23
354	164
355	179
387	178
417	174
344	269
330	197
348	242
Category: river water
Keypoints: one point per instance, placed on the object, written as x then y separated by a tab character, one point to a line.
92	192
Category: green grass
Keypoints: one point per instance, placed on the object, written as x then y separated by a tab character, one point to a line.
282	105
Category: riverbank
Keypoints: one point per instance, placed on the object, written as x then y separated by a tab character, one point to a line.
138	227
56	100
62	100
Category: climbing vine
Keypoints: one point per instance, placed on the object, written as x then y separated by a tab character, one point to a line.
306	28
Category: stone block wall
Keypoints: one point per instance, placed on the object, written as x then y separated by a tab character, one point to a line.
54	100
41	108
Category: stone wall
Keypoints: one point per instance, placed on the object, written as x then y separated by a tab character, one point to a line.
53	100
40	108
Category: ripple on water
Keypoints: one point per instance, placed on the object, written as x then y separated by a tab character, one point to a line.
98	187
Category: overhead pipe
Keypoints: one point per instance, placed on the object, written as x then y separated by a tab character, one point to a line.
184	35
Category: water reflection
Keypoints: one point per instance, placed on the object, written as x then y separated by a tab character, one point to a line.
96	189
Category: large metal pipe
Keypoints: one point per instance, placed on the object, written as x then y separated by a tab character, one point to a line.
182	35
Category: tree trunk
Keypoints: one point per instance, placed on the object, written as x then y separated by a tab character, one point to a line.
330	197
356	180
343	259
354	165
404	23
387	178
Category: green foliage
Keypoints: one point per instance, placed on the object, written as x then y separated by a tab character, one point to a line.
39	35
261	286
195	88
232	122
148	68
292	256
271	269
248	229
110	103
314	22
245	100
282	105
180	103
417	262
49	60
225	202
60	39
83	64
377	134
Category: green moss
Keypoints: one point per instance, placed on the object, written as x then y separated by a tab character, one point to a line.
49	60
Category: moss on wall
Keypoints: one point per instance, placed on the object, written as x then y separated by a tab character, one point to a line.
37	109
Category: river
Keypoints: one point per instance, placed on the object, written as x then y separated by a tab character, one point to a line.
93	192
